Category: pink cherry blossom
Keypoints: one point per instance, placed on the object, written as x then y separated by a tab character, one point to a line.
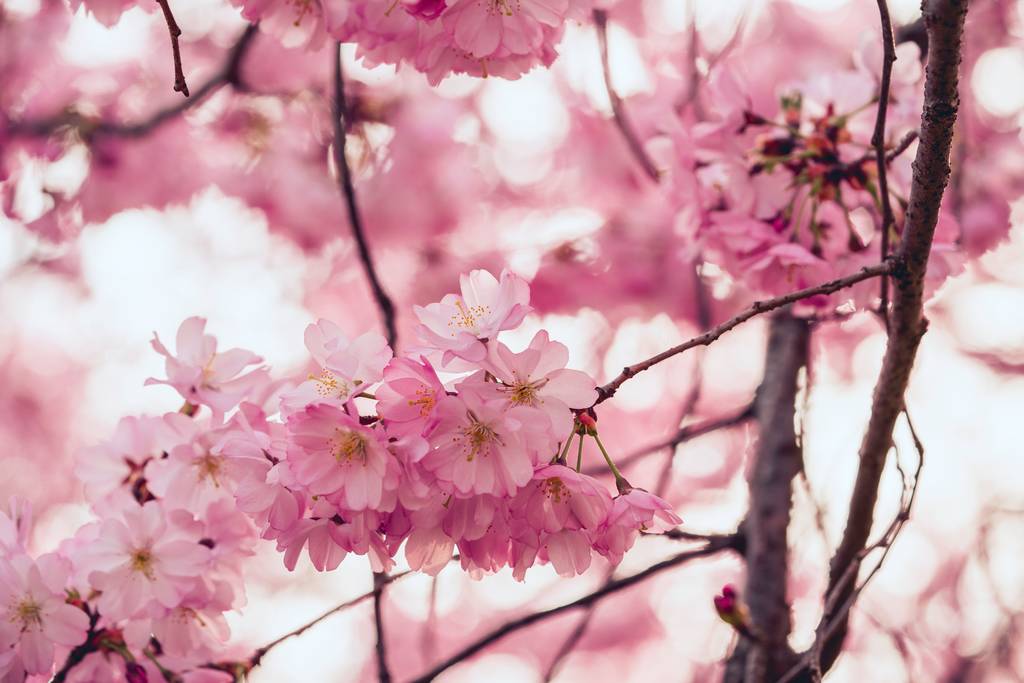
36	616
485	307
561	498
632	512
143	561
333	455
408	397
345	365
537	378
200	374
479	447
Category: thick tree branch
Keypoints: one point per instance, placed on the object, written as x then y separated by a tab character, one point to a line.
944	20
757	308
341	123
175	31
712	547
776	463
618	108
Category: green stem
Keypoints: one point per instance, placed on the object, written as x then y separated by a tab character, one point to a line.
568	442
608	459
579	455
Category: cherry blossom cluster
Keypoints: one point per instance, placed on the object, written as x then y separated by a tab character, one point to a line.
789	196
503	38
369	452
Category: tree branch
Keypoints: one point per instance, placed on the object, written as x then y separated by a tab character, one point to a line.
944	20
380	579
682	435
878	142
839	601
618	109
712	547
341	123
172	28
229	74
777	462
757	308
378	587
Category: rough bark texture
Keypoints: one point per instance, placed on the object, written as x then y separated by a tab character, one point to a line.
776	464
944	21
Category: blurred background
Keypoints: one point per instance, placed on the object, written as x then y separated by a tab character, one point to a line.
230	211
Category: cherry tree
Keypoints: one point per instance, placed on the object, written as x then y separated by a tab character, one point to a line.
521	230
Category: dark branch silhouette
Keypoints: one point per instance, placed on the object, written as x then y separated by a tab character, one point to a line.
175	31
622	121
757	308
716	545
342	121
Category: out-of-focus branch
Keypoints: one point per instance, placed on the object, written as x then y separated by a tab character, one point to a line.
944	20
711	548
682	435
341	122
378	587
841	599
878	142
380	579
776	463
618	109
228	74
757	308
175	31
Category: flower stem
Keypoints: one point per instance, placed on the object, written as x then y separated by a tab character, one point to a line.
568	442
611	465
579	455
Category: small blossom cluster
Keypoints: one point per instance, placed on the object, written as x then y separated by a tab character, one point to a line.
792	197
503	38
367	454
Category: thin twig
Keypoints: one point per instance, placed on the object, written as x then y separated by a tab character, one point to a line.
878	142
618	109
682	435
574	637
172	28
726	543
378	586
810	664
757	308
341	123
229	74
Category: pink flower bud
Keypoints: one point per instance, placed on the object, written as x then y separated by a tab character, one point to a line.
134	673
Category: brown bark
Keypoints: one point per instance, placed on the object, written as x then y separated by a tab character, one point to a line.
944	21
777	462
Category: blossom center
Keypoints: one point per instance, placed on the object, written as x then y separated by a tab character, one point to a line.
302	8
329	386
425	399
467	317
141	561
556	490
28	612
348	446
507	8
209	467
476	438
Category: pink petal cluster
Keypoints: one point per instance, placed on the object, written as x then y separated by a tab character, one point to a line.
371	455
